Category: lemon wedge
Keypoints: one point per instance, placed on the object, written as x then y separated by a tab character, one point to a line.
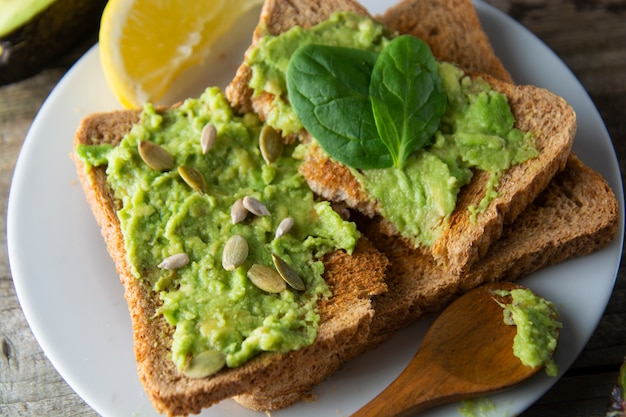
146	44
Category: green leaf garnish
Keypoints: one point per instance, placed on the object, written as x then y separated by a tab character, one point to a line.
329	90
368	110
408	99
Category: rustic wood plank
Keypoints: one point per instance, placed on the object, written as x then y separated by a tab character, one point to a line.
29	385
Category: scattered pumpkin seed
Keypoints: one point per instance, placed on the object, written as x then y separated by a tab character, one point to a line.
287	273
284	227
238	212
266	278
235	252
271	144
254	206
205	364
192	177
155	156
207	138
175	261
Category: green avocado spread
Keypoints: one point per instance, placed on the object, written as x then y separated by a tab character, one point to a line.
214	310
537	328
270	57
476	132
478	407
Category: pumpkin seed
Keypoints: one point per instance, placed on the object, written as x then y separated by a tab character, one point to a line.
192	177
235	252
271	144
254	206
284	227
155	156
207	138
287	273
266	278
238	212
205	364
175	261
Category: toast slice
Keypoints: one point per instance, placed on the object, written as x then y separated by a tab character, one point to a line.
463	241
345	316
575	215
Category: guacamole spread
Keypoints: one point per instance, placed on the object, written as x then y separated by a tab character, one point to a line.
478	407
270	57
213	309
537	328
476	131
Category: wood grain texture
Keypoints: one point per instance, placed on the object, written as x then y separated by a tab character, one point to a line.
590	37
467	352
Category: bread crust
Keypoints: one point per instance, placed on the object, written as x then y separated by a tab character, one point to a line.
552	122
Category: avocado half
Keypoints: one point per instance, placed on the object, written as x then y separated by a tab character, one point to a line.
35	33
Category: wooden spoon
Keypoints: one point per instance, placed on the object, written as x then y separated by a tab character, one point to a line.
466	353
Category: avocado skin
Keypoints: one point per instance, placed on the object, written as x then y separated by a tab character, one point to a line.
47	37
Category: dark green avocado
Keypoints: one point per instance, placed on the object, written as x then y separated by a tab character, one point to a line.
36	33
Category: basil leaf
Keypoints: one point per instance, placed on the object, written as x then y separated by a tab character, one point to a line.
408	99
328	88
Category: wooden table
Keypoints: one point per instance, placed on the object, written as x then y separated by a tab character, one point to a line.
590	36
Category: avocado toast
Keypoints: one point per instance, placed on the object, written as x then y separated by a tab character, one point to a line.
177	390
270	381
460	237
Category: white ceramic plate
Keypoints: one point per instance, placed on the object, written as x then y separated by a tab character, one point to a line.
73	301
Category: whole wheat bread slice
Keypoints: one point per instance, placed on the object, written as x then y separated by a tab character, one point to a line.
345	317
551	120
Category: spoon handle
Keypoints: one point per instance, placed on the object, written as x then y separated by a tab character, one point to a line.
422	385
